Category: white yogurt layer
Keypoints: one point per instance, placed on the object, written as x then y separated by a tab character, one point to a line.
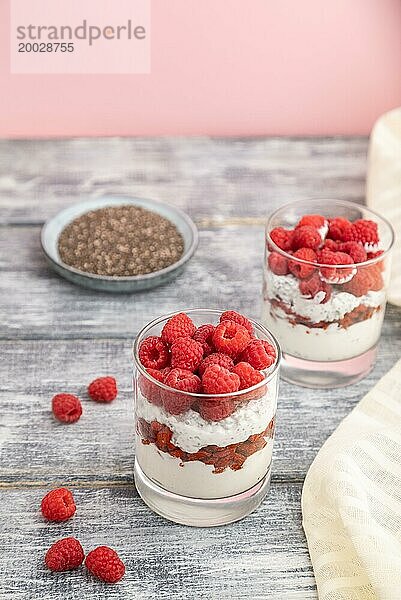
330	344
286	288
191	432
195	479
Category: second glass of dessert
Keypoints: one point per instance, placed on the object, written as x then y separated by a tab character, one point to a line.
327	268
205	391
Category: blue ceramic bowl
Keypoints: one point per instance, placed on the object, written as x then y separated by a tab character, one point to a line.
53	228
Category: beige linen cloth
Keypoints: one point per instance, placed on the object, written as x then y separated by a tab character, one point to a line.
351	501
383	186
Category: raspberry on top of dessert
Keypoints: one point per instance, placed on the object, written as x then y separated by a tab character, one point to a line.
207	360
321	253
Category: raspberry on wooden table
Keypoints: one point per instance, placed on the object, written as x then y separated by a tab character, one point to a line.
103	389
217	358
104	563
204	335
64	555
231	315
67	408
58	505
259	354
230	338
218	380
186	353
178	326
153	353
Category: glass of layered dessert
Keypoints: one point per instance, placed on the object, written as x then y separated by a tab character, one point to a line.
326	272
205	390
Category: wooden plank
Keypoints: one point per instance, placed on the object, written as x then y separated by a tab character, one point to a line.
263	556
99	448
226	271
213	179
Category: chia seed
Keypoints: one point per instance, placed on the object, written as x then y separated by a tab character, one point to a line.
120	241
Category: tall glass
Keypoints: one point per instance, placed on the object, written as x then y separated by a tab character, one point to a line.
196	471
329	338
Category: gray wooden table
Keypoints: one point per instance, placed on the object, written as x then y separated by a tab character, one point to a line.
57	337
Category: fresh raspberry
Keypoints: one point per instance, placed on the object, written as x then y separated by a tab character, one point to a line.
333	245
371	255
58	505
366	279
363	231
178	326
332	274
103	389
248	376
282	237
337	228
217	358
306	237
186	353
230	338
64	555
301	270
185	381
104	563
355	250
216	410
231	315
316	221
259	354
204	335
66	408
310	288
150	389
277	263
153	353
218	380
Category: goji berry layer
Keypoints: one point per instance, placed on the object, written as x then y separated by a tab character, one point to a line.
220	457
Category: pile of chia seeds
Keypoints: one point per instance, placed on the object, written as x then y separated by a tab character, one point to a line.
120	241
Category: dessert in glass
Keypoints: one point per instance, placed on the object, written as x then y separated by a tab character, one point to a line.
205	390
326	272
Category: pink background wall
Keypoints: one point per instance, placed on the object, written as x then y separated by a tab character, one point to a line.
242	67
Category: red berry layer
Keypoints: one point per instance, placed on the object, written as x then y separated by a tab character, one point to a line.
221	457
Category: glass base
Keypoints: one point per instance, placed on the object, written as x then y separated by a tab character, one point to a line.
313	374
199	513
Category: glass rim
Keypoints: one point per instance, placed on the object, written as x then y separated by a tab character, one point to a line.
140	336
347	203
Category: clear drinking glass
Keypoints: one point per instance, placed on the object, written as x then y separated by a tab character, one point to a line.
199	472
328	339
